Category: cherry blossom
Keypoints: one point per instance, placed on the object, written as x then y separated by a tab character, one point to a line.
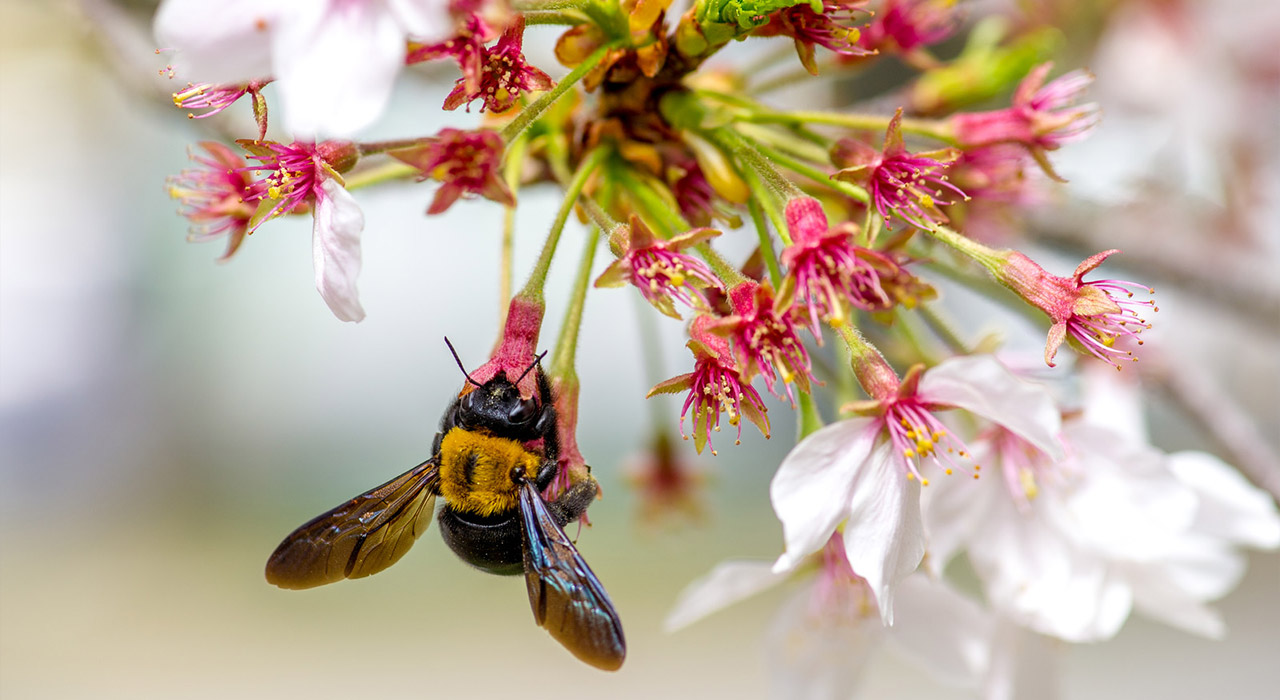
334	61
866	472
823	635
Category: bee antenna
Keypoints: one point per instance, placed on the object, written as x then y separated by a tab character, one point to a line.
536	360
459	361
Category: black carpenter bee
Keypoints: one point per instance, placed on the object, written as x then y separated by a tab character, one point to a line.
494	517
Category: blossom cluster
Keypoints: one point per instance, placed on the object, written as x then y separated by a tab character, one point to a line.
940	449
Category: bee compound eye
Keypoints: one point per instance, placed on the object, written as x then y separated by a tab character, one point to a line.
524	411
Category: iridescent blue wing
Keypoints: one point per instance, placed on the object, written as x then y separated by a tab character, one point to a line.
360	537
566	597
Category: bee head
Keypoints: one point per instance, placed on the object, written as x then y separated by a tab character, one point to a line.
497	406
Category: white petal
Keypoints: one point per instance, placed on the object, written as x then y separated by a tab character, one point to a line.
1040	578
218	42
427	21
336	66
1230	507
1122	501
335	244
1175	593
941	630
1113	399
884	538
953	509
981	385
1023	665
813	486
817	656
728	583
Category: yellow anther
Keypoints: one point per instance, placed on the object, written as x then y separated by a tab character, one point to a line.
1028	482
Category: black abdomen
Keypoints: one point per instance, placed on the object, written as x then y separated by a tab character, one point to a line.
491	544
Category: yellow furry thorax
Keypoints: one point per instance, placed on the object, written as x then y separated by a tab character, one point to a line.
485	487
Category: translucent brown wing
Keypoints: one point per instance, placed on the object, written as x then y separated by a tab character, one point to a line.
360	537
566	597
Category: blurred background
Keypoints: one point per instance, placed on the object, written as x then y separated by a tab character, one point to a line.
165	420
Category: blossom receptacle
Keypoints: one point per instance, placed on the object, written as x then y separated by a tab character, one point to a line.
907	185
466	46
517	346
295	173
826	24
465	162
504	75
826	272
304	175
659	269
902	26
215	197
715	386
1095	314
571	466
668	486
764	338
214	98
1042	117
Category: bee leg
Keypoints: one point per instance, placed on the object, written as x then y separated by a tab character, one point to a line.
547	425
574	502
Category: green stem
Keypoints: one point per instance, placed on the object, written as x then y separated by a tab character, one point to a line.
534	109
749	156
657	208
828	70
376	147
798	144
538	278
766	243
651	350
562	364
816	175
511	173
810	419
931	128
943	328
870	228
561	17
728	274
379	174
527	6
599	216
989	258
770	205
990	289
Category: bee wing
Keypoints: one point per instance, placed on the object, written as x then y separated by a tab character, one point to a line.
566	597
360	537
